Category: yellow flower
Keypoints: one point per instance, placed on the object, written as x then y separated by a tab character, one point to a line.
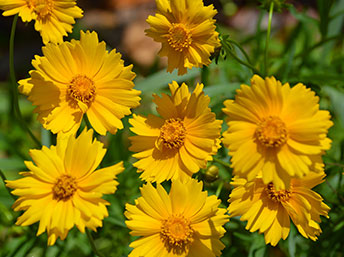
269	211
62	188
53	18
275	130
182	141
186	31
77	78
185	222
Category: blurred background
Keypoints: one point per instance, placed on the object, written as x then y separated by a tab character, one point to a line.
121	24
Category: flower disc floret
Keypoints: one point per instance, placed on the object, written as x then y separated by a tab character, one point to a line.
179	37
82	88
177	233
64	188
277	195
271	132
172	133
42	8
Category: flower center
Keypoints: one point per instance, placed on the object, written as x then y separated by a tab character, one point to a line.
82	88
172	133
176	233
179	37
277	196
64	188
271	132
42	8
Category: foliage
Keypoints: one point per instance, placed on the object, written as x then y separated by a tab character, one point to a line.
309	50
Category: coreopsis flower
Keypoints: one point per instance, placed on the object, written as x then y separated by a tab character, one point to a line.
77	78
53	18
186	30
269	210
277	130
62	188
184	222
181	141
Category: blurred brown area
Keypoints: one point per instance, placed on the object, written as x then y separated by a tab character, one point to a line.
121	24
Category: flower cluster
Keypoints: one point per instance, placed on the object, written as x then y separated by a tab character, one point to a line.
276	138
81	77
276	131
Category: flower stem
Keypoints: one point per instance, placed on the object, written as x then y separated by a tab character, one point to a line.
87	122
219	188
244	63
3	177
14	87
266	68
241	49
93	246
227	165
229	51
205	76
11	63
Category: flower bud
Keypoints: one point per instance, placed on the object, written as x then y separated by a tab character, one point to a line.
211	174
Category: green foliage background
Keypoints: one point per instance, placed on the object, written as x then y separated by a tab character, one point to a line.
310	51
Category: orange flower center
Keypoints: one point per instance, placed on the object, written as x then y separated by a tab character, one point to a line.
176	233
277	196
271	132
172	133
179	37
82	88
42	8
64	188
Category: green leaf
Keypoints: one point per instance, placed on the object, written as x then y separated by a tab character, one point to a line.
337	99
11	164
161	79
291	242
324	8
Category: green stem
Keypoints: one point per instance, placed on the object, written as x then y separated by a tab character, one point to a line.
87	122
225	44
229	51
205	75
93	246
219	188
266	68
222	162
335	164
241	49
3	177
14	87
11	66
